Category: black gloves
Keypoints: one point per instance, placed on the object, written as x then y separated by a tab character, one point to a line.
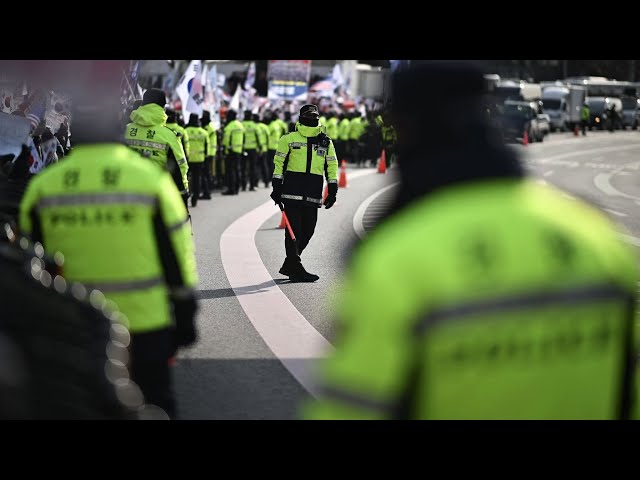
277	190
331	197
185	309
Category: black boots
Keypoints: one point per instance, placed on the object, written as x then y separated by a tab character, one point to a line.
296	272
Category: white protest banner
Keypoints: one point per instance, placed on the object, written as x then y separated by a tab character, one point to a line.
14	132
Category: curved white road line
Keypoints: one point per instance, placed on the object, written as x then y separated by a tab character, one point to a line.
357	218
293	340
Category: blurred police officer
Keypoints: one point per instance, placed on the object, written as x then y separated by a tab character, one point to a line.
123	229
149	135
233	145
250	159
263	139
180	132
299	168
209	163
198	149
485	295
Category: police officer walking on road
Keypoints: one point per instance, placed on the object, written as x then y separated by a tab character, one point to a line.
584	117
149	135
297	181
484	295
198	149
123	229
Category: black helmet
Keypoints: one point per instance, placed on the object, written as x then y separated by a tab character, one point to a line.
309	110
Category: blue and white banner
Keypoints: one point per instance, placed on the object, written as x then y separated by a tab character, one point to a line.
288	79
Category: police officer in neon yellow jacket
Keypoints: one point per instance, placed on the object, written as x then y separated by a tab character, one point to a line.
198	148
250	159
484	295
212	150
263	159
299	168
149	135
233	145
123	229
180	132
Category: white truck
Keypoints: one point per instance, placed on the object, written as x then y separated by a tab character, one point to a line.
562	104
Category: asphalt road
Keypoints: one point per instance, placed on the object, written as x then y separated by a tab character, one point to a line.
233	372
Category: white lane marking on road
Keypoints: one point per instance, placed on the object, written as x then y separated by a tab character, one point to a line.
546	174
283	328
558	159
613	212
630	239
602	181
358	225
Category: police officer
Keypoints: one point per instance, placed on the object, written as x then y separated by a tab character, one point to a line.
209	162
198	148
180	132
388	139
263	139
484	295
250	159
342	143
276	131
233	144
297	182
123	229
148	135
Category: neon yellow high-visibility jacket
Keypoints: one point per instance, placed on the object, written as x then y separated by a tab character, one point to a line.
497	299
305	160
250	135
149	135
355	128
388	134
213	139
122	227
263	136
233	139
182	135
343	129
275	133
584	113
283	125
198	144
332	128
323	121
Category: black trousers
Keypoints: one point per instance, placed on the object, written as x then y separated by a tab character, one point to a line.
209	174
585	124
303	218
250	164
199	177
149	367
340	150
232	167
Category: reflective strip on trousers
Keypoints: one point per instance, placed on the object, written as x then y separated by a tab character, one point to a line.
144	143
292	197
314	200
129	286
97	199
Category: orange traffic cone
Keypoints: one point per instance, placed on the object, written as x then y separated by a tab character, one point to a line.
342	182
283	222
525	138
382	165
576	130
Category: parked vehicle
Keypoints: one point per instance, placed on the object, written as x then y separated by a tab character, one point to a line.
630	112
562	103
520	117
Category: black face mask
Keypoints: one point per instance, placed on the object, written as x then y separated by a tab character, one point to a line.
309	121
